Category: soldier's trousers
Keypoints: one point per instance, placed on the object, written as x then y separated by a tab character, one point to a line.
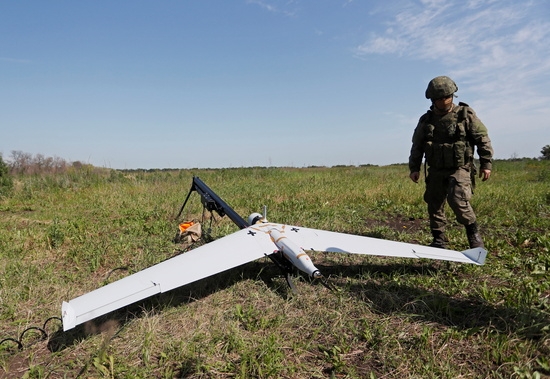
454	187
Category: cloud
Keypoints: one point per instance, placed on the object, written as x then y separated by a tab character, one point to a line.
288	8
436	30
478	35
263	4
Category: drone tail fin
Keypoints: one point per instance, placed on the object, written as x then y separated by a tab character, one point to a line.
477	255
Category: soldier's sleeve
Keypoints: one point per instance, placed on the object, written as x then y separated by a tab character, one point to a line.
417	149
480	138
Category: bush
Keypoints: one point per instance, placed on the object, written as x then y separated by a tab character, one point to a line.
6	181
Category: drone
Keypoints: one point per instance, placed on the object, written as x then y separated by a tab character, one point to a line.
285	245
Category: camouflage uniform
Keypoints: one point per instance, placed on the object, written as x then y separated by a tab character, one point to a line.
448	140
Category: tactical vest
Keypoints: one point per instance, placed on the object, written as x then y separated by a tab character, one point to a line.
447	144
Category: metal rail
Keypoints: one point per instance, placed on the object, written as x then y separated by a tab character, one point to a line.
213	202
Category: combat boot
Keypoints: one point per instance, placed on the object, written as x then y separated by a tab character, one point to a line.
474	238
440	239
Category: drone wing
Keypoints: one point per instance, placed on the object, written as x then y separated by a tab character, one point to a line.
322	240
234	250
222	254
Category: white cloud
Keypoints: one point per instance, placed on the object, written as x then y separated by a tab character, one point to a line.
477	35
263	4
288	8
382	45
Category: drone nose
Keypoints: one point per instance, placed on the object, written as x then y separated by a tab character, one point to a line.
316	274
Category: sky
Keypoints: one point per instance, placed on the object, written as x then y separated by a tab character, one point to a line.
219	84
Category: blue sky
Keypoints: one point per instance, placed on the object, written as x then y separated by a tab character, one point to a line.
218	83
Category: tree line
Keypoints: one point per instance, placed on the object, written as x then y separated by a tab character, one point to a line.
21	163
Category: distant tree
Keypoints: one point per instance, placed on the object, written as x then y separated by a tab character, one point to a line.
20	161
25	163
545	152
6	181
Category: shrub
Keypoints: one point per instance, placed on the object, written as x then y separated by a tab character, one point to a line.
6	181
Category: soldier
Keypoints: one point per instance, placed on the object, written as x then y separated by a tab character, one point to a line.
446	134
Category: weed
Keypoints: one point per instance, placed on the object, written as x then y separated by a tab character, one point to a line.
56	236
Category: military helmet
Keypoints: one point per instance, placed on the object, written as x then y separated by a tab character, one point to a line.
441	86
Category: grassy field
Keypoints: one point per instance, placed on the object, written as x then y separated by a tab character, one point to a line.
66	234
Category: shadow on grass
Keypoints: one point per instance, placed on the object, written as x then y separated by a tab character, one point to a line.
384	296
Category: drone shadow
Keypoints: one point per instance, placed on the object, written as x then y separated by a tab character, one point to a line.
464	313
385	298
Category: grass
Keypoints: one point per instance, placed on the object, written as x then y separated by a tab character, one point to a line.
66	234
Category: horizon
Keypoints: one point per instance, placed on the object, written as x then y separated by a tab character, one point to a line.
60	160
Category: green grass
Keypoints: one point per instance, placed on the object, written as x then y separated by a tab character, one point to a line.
66	234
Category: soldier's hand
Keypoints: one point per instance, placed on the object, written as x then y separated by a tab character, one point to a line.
484	174
414	176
